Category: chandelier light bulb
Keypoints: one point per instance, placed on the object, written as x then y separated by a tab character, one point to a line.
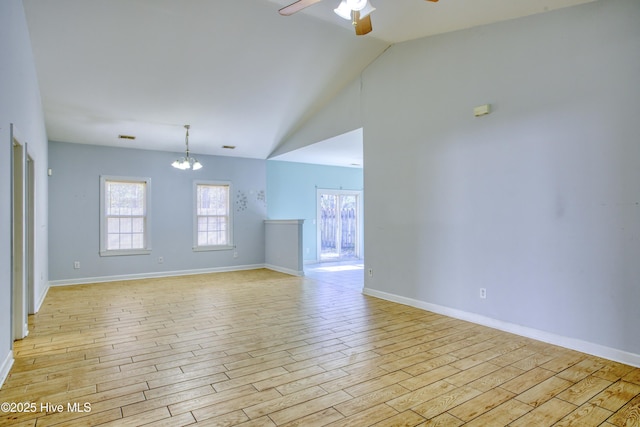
187	162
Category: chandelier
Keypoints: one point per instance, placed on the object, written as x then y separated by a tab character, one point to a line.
187	162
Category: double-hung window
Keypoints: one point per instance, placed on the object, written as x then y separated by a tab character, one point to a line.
124	216
213	229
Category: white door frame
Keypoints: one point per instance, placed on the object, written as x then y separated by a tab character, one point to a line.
31	234
358	242
19	230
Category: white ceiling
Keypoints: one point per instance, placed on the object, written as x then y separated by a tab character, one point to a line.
341	150
235	70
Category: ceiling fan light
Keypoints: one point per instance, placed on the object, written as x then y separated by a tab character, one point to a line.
356	4
366	10
343	10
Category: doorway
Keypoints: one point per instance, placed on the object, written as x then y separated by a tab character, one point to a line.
22	230
339	225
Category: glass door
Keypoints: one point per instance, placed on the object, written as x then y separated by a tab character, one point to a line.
338	225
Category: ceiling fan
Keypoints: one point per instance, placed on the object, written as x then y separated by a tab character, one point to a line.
358	11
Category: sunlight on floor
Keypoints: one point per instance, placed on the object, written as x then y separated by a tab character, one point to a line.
341	268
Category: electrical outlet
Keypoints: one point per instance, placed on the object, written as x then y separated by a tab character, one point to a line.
235	254
76	265
370	271
483	293
160	260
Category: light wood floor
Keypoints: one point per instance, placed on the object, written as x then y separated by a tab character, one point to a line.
260	348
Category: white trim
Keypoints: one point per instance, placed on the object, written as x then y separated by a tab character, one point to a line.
19	237
125	252
104	279
284	270
146	217
230	207
284	221
536	334
359	210
5	367
212	248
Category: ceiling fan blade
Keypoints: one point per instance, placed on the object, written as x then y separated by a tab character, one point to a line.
296	7
363	26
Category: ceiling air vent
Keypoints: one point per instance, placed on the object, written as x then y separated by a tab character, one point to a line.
229	147
126	137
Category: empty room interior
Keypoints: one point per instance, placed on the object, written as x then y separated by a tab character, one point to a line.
320	213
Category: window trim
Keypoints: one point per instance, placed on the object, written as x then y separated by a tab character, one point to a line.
103	217
230	245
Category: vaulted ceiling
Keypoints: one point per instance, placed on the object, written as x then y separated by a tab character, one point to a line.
235	70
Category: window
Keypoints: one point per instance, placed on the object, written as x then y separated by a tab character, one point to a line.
124	217
213	227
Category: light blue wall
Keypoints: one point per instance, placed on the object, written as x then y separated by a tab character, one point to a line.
74	214
20	104
538	202
292	189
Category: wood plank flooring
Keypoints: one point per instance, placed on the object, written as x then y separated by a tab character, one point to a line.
260	348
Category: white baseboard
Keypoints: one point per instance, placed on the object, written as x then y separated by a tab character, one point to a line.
5	367
550	338
284	270
104	279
